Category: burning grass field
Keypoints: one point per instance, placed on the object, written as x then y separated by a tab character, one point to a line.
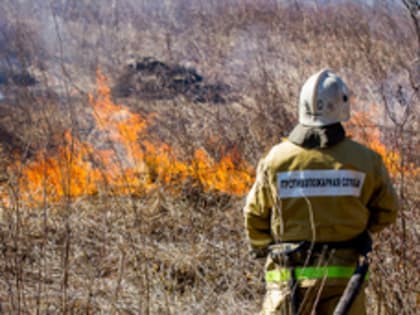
122	183
128	225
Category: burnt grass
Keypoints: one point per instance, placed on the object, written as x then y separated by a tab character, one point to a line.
150	79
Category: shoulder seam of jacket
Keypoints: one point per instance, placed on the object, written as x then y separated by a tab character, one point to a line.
286	147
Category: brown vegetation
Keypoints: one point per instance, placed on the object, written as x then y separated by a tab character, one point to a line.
109	231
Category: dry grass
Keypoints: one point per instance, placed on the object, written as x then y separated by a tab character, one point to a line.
130	256
185	252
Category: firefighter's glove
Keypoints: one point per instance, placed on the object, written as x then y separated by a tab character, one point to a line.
257	253
284	254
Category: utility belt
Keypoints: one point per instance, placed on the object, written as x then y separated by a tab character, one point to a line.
307	260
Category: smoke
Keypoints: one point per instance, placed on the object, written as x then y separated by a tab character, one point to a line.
211	36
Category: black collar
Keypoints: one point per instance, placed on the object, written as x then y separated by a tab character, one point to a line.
317	137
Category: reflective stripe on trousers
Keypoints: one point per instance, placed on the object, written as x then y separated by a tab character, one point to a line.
310	272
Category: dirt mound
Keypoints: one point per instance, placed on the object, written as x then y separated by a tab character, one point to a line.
149	78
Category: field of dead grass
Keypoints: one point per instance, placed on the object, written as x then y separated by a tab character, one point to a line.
149	244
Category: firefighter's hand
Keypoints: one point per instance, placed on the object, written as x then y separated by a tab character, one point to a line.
282	253
257	253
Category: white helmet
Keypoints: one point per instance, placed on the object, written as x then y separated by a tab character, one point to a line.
324	100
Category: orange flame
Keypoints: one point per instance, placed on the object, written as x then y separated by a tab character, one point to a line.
366	131
128	166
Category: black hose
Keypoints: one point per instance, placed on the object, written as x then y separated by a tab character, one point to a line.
364	244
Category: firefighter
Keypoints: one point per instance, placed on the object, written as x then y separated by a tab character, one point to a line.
314	195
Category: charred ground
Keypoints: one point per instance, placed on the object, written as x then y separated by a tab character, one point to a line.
150	79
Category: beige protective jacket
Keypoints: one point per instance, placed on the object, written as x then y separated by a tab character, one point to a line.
321	195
